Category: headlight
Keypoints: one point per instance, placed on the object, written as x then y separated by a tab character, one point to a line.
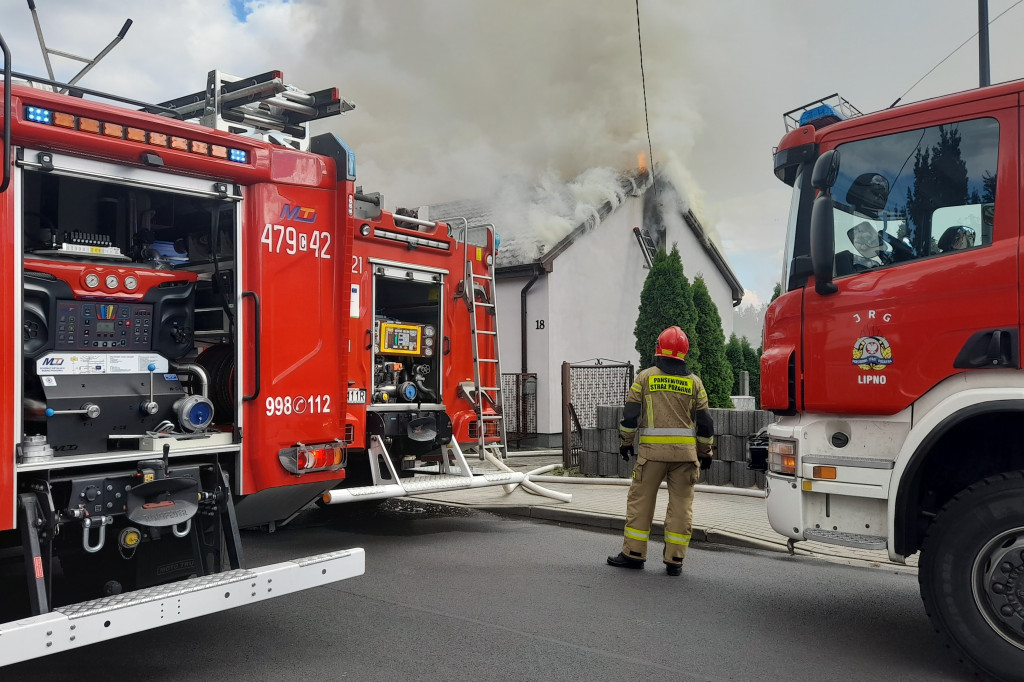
782	456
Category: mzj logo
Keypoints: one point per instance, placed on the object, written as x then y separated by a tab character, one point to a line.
872	353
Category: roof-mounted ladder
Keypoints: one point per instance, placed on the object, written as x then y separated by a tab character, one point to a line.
263	105
89	63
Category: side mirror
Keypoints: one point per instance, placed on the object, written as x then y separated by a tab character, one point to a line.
823	248
826	170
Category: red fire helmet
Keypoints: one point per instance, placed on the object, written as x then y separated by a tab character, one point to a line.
672	343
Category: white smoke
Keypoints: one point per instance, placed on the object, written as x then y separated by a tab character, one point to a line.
455	99
538	104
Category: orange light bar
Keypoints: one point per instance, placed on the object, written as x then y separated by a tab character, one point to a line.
119	131
828	473
89	125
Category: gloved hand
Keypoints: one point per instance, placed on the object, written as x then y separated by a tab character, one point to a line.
626	451
705	463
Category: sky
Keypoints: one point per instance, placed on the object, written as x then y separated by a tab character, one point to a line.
459	99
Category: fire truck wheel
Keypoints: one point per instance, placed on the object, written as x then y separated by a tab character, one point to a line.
972	575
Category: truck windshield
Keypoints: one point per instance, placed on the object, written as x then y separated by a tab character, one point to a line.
915	194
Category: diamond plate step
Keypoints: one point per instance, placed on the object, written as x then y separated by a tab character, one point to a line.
837	537
98	620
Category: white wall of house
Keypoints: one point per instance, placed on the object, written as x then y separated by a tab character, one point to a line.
588	304
537	343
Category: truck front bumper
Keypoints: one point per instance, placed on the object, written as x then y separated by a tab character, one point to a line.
785	505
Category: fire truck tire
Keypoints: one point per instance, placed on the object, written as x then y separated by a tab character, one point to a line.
971	575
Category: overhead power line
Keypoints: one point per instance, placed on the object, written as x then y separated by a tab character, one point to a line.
972	37
643	82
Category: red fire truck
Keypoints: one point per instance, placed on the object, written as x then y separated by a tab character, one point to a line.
894	352
217	328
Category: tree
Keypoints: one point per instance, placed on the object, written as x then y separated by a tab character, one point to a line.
752	363
734	354
715	370
744	358
940	179
664	301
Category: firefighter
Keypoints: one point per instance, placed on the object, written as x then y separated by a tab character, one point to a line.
667	408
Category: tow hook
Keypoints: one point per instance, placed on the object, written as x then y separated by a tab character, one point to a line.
95	521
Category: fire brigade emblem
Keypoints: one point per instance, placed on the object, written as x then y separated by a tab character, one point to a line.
872	353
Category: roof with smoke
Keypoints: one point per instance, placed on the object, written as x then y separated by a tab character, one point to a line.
537	223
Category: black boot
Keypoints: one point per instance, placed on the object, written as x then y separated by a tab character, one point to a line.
673	569
623	561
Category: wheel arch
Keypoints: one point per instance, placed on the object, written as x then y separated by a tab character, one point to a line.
946	461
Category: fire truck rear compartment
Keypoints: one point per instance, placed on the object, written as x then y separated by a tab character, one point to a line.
115	271
407	340
408	346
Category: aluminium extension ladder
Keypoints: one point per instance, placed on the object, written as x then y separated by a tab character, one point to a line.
478	293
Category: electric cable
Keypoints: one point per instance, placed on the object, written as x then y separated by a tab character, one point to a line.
643	83
951	53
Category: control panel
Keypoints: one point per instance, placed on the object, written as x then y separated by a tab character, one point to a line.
88	325
404	339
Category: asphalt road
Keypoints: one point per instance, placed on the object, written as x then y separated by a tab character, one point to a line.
463	595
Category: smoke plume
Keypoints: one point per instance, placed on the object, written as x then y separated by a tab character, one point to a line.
465	99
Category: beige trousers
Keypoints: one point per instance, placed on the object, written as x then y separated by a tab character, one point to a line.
643	493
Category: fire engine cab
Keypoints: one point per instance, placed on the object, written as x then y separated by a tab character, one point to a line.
212	327
894	353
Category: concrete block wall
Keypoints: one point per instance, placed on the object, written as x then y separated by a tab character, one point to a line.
600	455
733	428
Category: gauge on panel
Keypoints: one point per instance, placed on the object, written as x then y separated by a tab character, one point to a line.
130	283
92	280
111	281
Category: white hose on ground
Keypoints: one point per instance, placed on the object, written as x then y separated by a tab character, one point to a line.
718	489
527	483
